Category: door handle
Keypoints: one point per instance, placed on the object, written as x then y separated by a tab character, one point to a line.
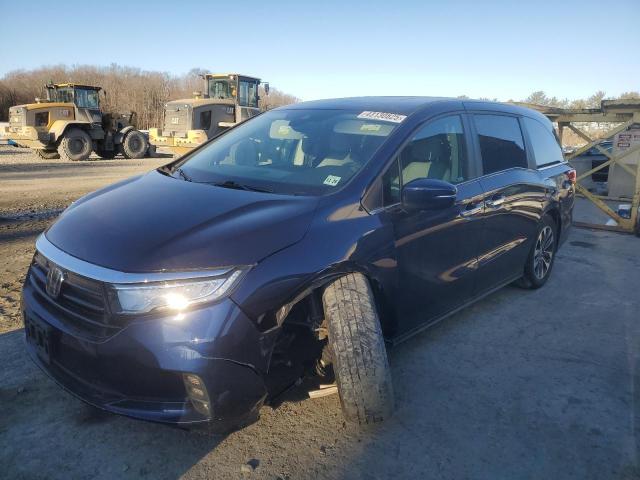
472	209
495	202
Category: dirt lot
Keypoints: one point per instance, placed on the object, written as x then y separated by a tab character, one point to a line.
525	384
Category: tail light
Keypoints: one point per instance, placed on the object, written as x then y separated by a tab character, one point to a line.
572	176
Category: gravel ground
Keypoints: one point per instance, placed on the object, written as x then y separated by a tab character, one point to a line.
524	384
30	184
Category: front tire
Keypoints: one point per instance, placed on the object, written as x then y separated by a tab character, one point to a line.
542	255
359	354
75	145
134	144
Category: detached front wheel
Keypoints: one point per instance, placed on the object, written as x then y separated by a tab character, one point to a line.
359	353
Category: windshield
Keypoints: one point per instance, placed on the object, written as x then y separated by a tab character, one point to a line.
304	152
62	95
220	88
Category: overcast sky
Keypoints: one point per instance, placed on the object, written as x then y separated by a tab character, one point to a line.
322	49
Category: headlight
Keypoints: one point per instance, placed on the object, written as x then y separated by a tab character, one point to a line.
174	295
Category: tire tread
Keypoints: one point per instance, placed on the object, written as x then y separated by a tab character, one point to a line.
360	359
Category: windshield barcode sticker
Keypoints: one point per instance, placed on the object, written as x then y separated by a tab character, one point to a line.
332	180
389	117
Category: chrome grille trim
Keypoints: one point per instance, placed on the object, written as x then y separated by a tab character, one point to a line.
107	275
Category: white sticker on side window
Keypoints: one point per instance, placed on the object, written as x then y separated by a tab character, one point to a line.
332	180
389	117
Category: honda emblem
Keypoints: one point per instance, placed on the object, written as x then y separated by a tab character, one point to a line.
55	277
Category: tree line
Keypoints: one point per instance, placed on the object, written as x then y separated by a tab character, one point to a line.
127	89
146	92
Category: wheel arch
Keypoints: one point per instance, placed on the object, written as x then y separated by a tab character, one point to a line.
119	136
322	280
553	211
60	127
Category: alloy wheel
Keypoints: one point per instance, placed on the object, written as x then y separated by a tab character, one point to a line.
543	253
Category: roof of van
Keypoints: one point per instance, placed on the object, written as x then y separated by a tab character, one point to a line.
409	105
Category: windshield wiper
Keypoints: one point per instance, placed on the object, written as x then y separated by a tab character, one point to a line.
241	186
183	175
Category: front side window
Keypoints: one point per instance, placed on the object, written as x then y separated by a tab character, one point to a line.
248	95
305	152
544	143
436	151
501	142
86	98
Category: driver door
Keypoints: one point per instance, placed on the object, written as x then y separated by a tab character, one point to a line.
436	250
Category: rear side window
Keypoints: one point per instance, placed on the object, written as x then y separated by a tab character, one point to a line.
544	144
501	142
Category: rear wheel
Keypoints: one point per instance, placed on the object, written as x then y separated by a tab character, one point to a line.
134	144
47	154
359	354
542	255
75	145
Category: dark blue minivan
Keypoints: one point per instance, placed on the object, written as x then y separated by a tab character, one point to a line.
297	245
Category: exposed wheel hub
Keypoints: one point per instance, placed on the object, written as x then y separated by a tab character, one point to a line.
76	145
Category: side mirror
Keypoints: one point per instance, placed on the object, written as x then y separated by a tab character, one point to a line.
428	194
266	88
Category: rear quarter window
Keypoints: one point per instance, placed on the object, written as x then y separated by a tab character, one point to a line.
544	144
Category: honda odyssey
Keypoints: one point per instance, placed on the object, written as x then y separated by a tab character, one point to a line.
297	245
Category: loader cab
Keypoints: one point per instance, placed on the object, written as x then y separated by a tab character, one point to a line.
235	99
240	89
228	99
83	96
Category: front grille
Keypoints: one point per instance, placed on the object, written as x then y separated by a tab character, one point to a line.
81	304
176	121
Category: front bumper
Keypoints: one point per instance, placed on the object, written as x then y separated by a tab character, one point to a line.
179	145
138	372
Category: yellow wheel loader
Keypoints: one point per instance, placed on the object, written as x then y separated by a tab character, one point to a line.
70	125
229	99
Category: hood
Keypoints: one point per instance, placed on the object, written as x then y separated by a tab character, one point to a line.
154	222
198	102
